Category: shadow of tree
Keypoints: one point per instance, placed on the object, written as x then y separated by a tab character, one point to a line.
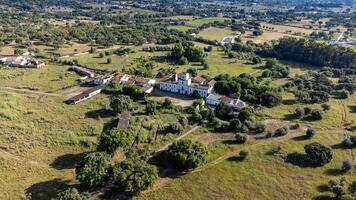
352	109
334	172
103	113
300	138
299	159
47	189
323	197
289	101
235	159
67	161
323	188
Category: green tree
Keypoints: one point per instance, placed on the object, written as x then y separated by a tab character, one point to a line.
134	175
120	103
151	107
187	154
92	169
115	138
108	61
73	194
318	153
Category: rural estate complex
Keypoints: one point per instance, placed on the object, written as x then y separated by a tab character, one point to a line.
186	100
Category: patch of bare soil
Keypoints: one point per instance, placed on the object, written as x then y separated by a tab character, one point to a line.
208	138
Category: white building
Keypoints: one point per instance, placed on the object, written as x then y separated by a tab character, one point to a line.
215	100
103	80
228	40
185	85
21	61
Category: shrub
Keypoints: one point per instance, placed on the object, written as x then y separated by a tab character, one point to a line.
241	138
299	112
347	165
235	125
317	114
310	133
151	107
281	131
325	107
344	94
73	194
260	127
318	153
347	143
307	110
269	134
167	103
244	154
295	126
187	154
174	128
183	121
243	129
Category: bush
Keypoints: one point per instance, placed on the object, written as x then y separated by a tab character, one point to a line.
174	128
73	194
183	61
260	127
167	103
183	121
244	154
307	110
318	153
347	143
325	107
241	138
243	129
187	154
310	133
235	125
295	126
347	165
151	107
344	94
281	131
317	114
299	112
269	134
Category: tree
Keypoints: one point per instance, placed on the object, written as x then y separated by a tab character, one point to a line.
192	71
310	133
325	107
108	61
260	127
271	99
167	103
318	153
281	131
244	154
151	107
187	154
256	60
73	194
235	125
183	61
270	63
257	32
18	52
174	128
134	175
93	168
240	138
92	50
115	138
317	114
299	112
101	55
120	103
347	165
344	94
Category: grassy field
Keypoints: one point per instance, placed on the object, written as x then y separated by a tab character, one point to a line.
213	33
264	173
43	139
201	21
180	28
49	78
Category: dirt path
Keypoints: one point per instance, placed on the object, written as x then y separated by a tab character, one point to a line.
31	91
9	155
343	113
163	148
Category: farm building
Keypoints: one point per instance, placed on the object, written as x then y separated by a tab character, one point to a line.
103	80
215	99
83	71
21	61
185	85
85	95
228	40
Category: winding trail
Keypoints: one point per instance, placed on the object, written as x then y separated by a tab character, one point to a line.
8	155
31	91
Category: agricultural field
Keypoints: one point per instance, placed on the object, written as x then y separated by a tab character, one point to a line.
215	33
199	22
